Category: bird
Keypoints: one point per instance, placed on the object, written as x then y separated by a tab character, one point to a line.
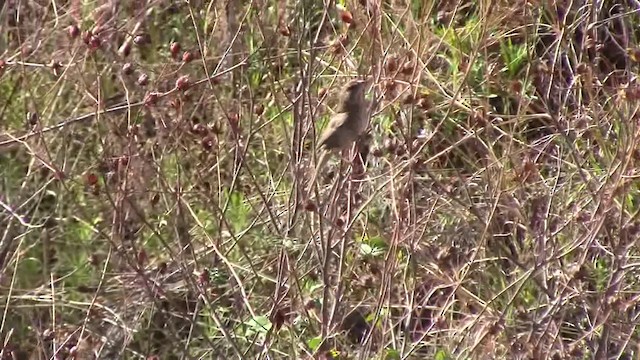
346	126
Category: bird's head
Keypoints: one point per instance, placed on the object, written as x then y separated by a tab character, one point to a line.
353	94
355	87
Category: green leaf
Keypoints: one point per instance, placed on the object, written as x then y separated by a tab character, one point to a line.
392	354
258	324
368	250
441	355
313	343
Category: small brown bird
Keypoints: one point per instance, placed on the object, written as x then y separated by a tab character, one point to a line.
349	122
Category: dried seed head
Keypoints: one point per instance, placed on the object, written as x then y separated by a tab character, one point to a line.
94	42
73	31
127	69
86	37
48	335
346	16
200	129
424	103
310	305
284	29
183	83
151	99
207	143
92	179
143	79
187	57
582	68
174	48
310	206
390	85
516	86
258	109
141	39
203	277
392	64
407	68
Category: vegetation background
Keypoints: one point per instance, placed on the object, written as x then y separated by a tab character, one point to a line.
154	158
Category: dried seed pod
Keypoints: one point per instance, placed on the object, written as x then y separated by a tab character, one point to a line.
207	143
258	109
391	64
151	99
94	42
183	83
127	69
310	206
346	16
143	79
284	29
142	39
187	57
174	49
407	68
73	31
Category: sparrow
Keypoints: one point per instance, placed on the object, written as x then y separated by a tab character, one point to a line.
346	126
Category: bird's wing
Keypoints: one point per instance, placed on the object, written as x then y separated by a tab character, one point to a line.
338	120
335	131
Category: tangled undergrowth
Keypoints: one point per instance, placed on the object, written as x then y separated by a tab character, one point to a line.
155	157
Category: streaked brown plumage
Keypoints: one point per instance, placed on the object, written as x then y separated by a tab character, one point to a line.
349	122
